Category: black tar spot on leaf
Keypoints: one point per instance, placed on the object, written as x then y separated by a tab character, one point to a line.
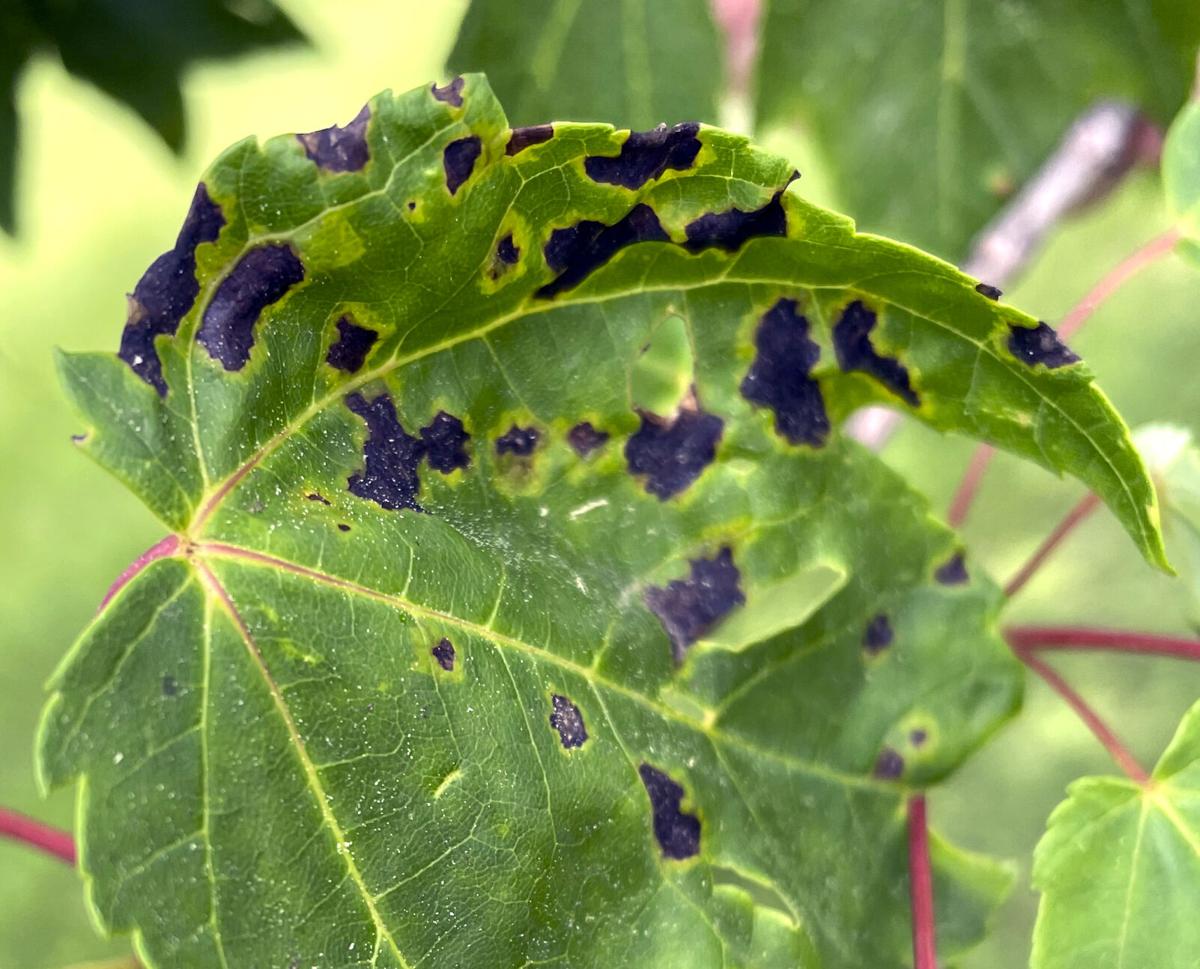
522	138
953	571
584	439
389	476
889	765
645	155
732	229
507	252
1039	344
688	608
167	290
918	737
852	341
517	440
779	377
339	149
343	527
578	251
353	344
458	159
450	93
568	721
169	686
672	454
878	635
443	652
317	496
444	438
991	292
261	277
678	834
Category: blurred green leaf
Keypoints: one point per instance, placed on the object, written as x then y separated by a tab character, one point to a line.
1119	868
930	114
632	62
134	51
1181	176
1174	462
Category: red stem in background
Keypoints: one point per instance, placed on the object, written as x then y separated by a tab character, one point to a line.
967	488
167	547
1055	538
19	827
920	886
1025	639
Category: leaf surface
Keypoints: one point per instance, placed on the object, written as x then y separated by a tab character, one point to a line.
1181	176
464	655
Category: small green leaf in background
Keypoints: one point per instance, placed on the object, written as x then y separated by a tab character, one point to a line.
1181	176
1119	868
134	51
1174	462
628	62
462	654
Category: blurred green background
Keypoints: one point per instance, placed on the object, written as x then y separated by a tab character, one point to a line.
99	197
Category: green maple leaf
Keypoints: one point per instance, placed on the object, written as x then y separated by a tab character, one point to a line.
525	604
1181	177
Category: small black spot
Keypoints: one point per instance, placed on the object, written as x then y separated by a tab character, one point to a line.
678	834
852	341
353	344
78	438
918	737
578	251
688	608
1039	344
412	206
584	438
261	277
568	721
450	93
167	290
444	438
522	138
953	571
991	292
645	155
169	686
507	252
779	377
443	652
339	149
343	527
317	496
889	765
391	456
878	635
732	229
672	454
517	440
458	159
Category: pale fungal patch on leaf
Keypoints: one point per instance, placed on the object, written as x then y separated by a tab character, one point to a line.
688	608
677	833
566	718
646	155
1039	344
339	149
587	507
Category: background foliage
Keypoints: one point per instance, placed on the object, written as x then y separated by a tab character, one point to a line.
68	530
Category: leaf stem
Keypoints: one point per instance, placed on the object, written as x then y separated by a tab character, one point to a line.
969	486
1042	638
51	841
1053	540
166	547
920	886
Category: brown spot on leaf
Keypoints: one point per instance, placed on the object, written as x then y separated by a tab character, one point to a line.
520	441
779	377
339	149
889	765
688	608
458	160
568	721
261	277
855	351
443	652
1039	344
353	344
391	456
576	252
991	292
672	453
450	93
445	439
677	833
645	155
522	138
167	291
953	571
878	635
584	438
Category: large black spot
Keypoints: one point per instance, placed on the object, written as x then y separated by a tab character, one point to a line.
732	229
261	277
953	571
584	438
517	440
167	291
353	344
522	138
645	155
458	159
878	635
443	652
568	721
507	251
779	377
391	456
678	834
852	341
672	454
688	608
450	93
576	252
339	149
444	438
1039	344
